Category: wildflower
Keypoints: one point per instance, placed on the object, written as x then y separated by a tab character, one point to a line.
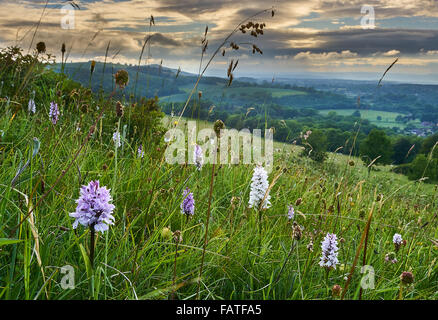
140	152
397	240
259	187
197	156
329	246
407	277
390	257
188	203
31	106
291	212
94	208
54	112
116	139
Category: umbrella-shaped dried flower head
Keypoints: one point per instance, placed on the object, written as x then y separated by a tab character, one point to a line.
259	187
41	47
122	78
188	203
54	112
297	231
94	209
329	246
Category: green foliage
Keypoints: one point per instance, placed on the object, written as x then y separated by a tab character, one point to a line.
134	260
423	166
146	119
376	147
315	146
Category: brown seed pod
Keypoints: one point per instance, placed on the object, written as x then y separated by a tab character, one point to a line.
41	47
119	109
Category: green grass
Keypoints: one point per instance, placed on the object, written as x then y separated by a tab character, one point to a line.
244	255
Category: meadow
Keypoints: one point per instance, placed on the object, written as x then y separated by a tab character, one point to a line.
376	228
387	117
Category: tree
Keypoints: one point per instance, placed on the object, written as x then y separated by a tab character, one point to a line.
376	148
315	146
356	114
402	152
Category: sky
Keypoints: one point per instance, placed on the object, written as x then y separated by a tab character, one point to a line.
304	37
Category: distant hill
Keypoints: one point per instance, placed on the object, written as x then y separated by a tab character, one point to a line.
411	104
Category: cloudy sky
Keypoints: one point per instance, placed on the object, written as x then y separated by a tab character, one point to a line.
320	36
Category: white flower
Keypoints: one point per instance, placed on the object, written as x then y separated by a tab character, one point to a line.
140	152
329	246
259	186
397	239
31	106
198	157
291	212
116	139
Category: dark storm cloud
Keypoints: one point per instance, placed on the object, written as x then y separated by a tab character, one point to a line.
162	40
363	42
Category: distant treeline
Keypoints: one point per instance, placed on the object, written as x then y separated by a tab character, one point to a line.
412	155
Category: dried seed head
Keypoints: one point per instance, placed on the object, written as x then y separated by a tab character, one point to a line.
298	202
336	290
93	65
218	126
407	277
310	246
119	109
297	231
63	48
177	236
